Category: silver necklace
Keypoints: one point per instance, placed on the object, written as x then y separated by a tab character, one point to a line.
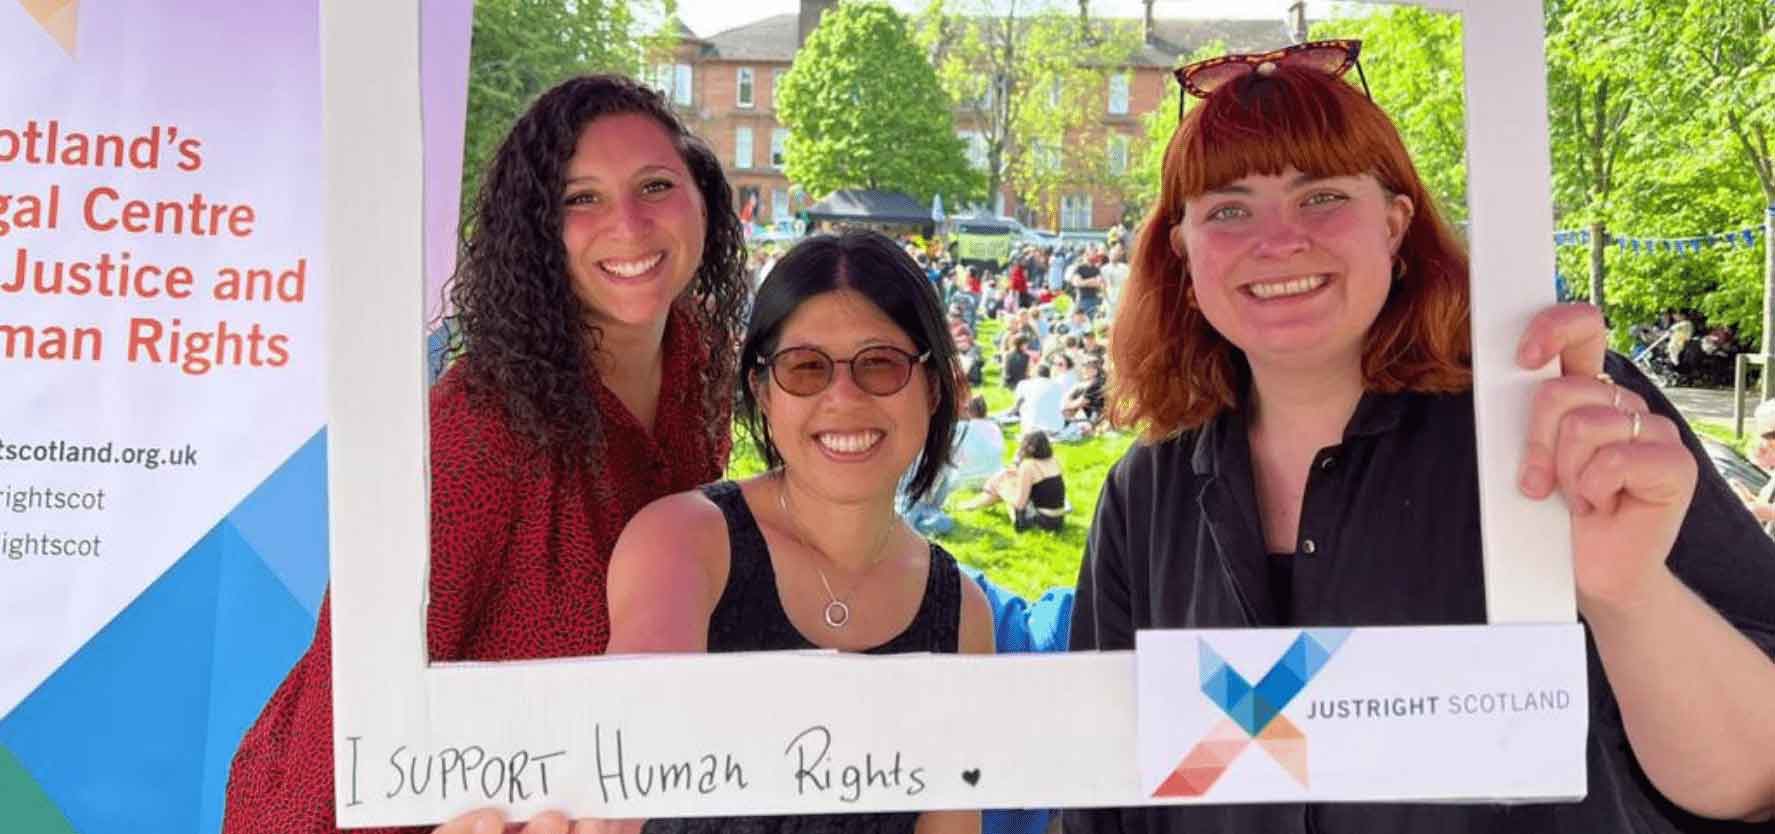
837	613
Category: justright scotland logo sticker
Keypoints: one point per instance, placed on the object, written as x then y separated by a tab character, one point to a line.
1253	713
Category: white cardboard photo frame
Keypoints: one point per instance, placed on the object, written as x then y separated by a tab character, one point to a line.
553	725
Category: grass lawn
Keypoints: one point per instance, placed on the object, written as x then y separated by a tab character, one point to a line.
1025	563
1721	430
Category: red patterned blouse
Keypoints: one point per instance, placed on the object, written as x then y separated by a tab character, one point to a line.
518	567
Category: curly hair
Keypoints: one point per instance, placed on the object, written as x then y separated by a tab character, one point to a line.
1173	370
521	334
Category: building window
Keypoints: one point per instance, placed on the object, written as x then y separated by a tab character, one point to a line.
1054	91
1047	156
776	88
1118	155
779	205
672	80
681	84
742	147
1118	94
1075	211
743	86
779	137
976	148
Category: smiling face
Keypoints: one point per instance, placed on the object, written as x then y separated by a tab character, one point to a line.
844	442
1293	269
633	222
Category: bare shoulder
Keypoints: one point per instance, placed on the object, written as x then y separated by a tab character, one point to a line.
688	513
664	535
665	576
977	631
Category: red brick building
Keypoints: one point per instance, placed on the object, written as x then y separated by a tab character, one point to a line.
725	84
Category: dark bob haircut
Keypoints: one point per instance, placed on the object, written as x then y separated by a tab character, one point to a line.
876	268
524	338
1035	446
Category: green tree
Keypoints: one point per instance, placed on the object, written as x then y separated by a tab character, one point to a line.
522	47
864	110
1594	75
1413	63
1721	73
1033	79
1694	159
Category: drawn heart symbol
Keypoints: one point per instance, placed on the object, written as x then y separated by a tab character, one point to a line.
972	777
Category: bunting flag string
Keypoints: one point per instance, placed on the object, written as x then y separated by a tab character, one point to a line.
1746	237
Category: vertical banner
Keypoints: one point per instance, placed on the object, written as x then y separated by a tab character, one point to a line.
163	351
160	294
163	524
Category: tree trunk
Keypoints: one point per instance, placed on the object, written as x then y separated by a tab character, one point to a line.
994	180
1598	267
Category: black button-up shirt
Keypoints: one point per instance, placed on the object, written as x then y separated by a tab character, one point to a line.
1389	535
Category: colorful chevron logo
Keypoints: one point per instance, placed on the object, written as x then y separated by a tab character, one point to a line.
1253	713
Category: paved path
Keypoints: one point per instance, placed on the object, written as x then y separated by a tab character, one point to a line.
1709	403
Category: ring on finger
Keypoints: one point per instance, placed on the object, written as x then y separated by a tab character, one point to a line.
1614	389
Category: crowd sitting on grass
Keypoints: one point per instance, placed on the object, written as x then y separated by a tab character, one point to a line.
1052	310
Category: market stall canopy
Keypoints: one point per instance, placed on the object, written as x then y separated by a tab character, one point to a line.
860	205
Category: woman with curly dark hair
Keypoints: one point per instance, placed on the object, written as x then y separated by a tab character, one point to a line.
598	304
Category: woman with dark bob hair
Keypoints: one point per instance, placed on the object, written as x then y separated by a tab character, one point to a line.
849	377
1033	488
1295	352
597	305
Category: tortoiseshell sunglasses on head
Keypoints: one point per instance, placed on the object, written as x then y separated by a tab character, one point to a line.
1333	58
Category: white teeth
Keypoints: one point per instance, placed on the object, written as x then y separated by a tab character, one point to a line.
1279	289
631	269
850	444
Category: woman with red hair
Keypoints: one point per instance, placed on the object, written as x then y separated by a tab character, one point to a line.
1295	353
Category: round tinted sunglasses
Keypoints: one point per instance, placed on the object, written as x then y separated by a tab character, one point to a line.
1333	58
881	370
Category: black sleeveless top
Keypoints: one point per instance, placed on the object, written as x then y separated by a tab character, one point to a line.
750	617
1048	493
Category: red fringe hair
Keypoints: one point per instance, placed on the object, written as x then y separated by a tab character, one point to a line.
1173	371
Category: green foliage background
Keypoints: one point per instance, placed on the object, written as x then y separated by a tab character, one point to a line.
864	110
1699	76
521	48
1035	81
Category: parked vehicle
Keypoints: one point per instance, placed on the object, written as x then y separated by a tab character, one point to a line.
985	240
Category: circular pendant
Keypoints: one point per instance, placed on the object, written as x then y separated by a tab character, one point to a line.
837	614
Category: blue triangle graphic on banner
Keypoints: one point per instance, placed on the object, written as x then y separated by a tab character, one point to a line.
114	735
284	520
162	694
260	632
